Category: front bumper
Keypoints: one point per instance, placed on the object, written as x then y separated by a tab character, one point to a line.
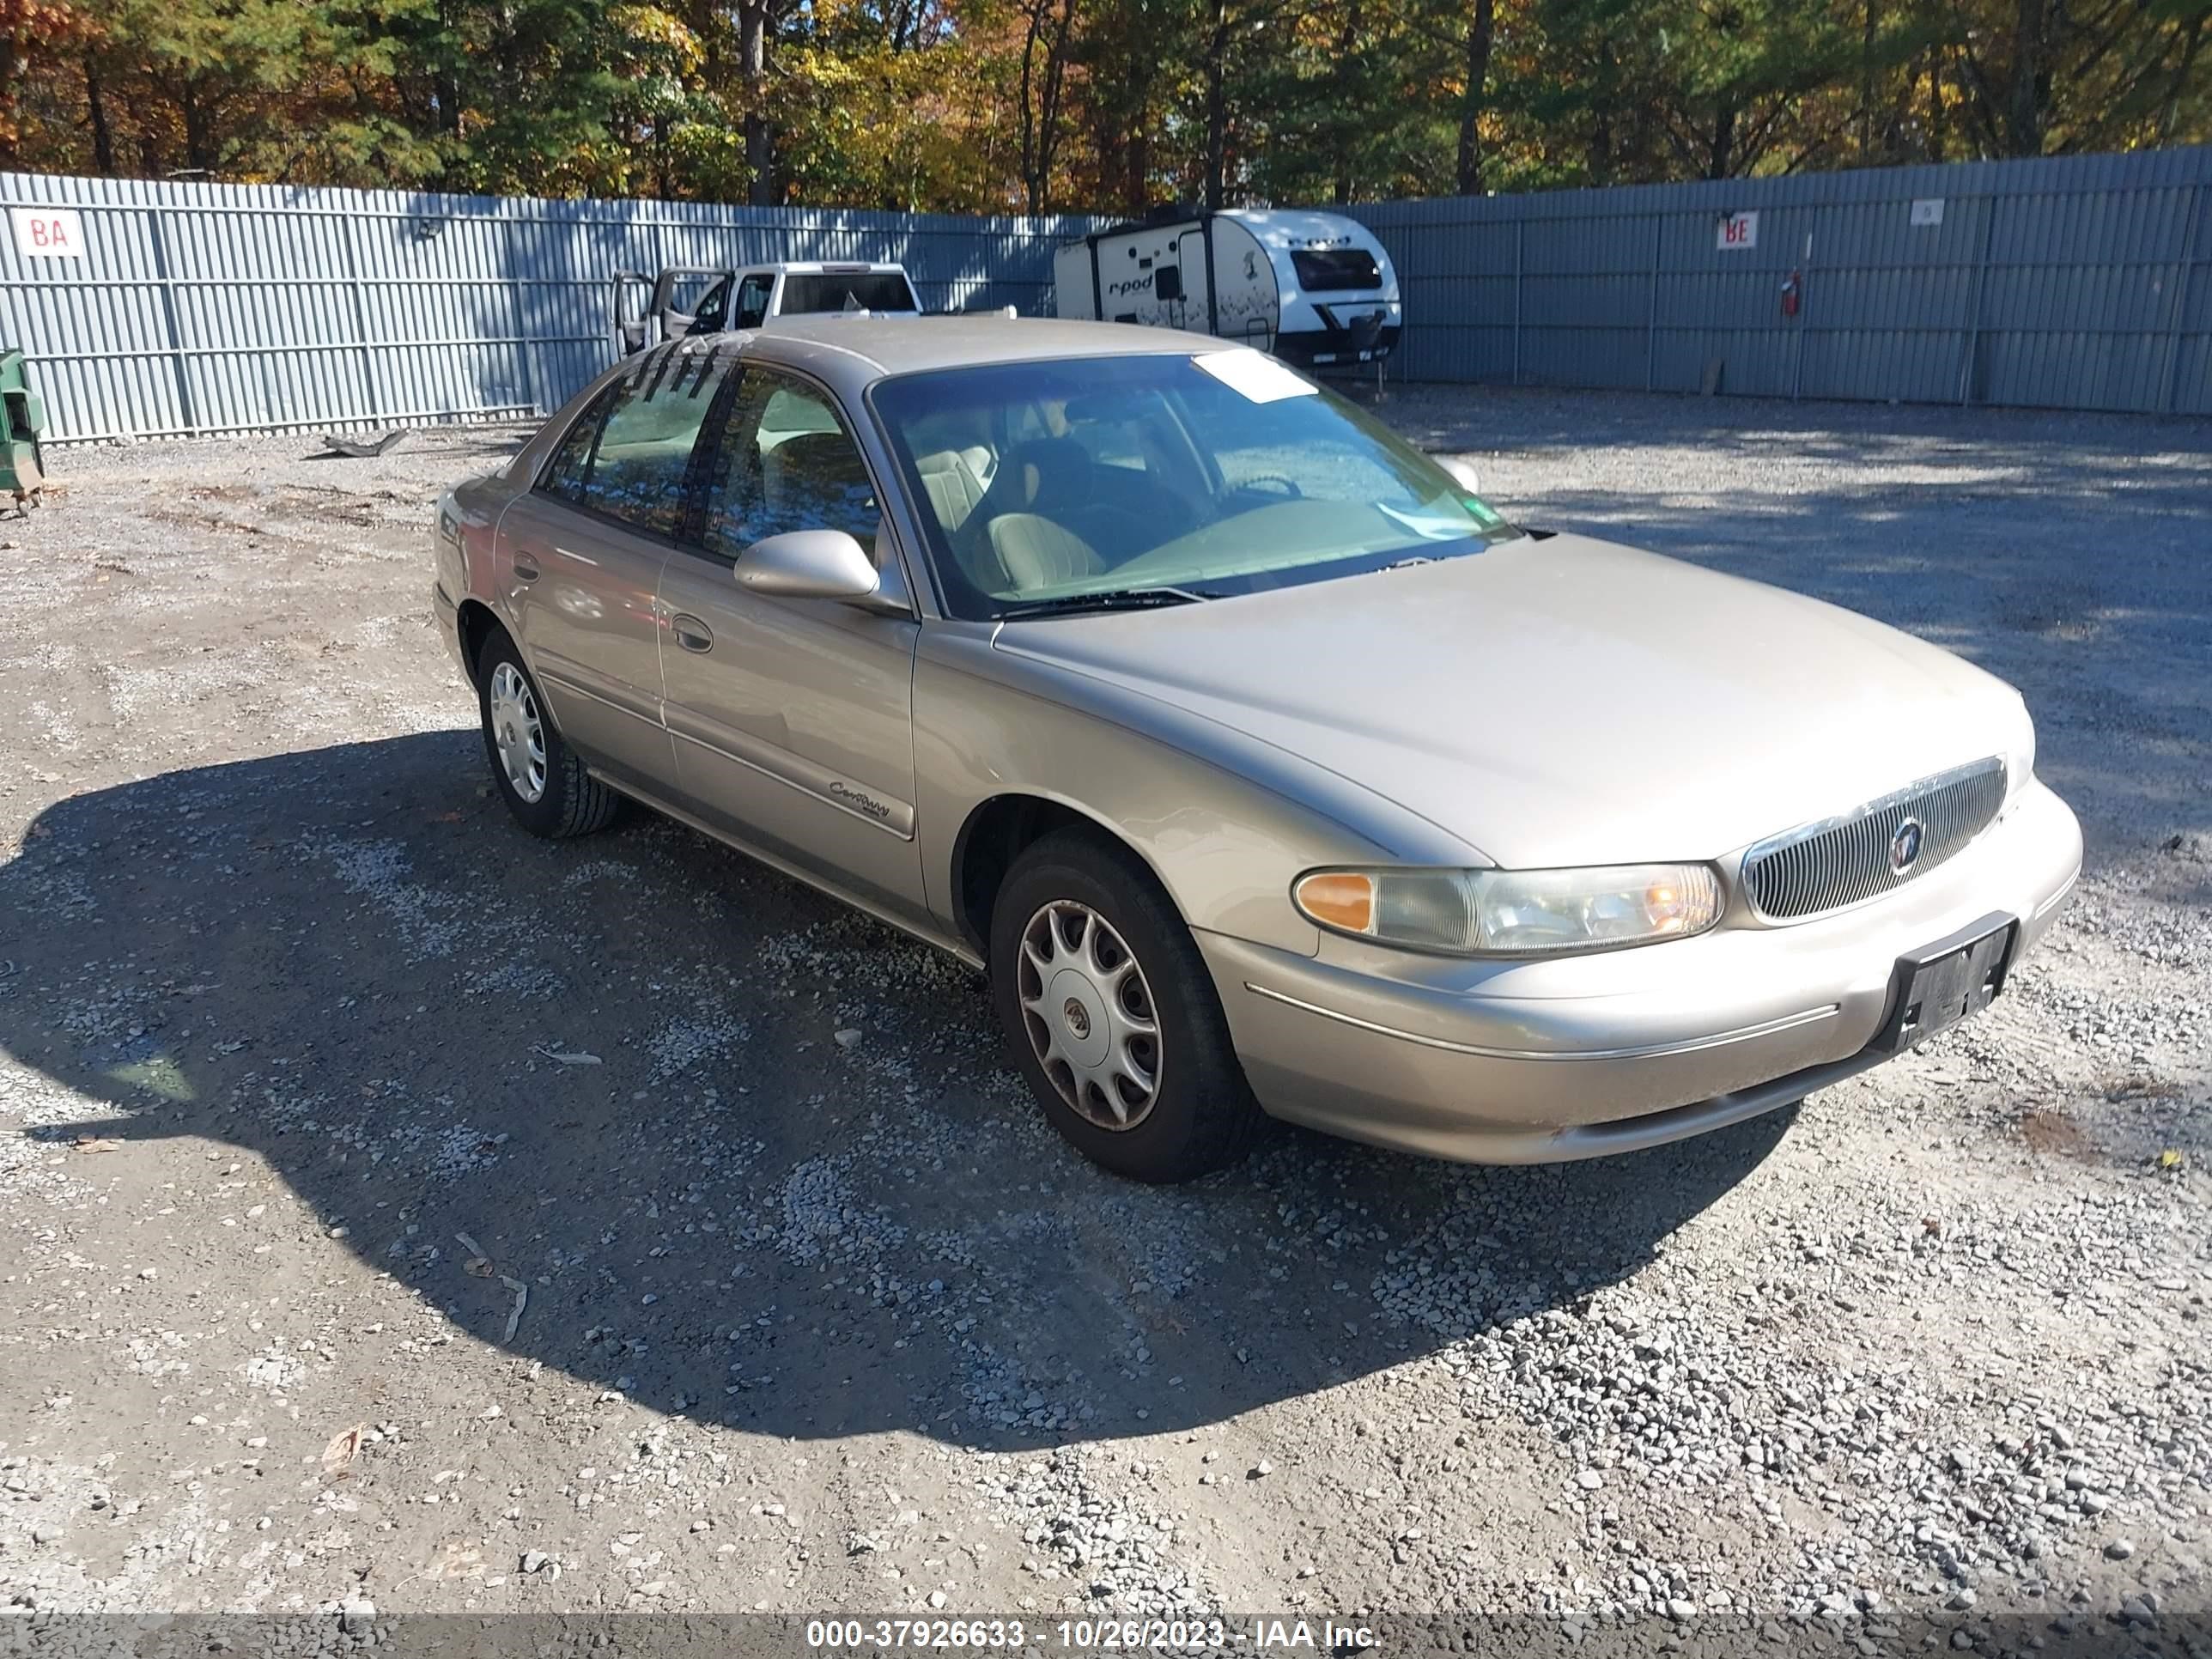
1335	347
1538	1062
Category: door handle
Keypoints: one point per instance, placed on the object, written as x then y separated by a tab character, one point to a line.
525	571
691	634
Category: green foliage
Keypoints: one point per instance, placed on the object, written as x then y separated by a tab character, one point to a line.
1104	105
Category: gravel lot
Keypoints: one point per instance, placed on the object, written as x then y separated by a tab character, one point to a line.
395	1210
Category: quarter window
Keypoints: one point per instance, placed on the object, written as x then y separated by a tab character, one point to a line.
785	462
571	465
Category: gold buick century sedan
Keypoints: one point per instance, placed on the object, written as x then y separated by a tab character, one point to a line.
1261	765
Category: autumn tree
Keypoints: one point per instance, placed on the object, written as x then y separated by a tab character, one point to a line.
36	36
1112	105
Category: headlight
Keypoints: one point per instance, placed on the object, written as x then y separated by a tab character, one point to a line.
1514	913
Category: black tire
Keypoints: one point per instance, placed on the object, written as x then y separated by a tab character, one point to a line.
572	801
1202	1116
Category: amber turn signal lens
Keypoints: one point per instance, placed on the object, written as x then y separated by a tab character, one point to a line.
1338	899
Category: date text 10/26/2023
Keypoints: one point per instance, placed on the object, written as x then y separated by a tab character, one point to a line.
1090	1635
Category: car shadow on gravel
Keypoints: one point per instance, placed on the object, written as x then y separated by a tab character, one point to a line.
756	1159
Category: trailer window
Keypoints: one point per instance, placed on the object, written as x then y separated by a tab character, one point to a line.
863	290
1335	270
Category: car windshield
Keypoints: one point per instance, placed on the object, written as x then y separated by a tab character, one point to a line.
1216	473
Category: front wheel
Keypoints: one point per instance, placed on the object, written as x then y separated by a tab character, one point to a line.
1114	1017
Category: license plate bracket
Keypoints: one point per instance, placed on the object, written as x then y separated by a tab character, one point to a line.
1935	986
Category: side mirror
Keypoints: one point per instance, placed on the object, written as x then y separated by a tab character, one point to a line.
813	564
1462	471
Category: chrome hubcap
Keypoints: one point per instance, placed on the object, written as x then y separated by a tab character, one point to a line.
1089	1015
517	733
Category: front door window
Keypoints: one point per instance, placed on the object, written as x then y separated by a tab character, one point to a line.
785	462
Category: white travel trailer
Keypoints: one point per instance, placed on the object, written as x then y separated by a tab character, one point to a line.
1315	288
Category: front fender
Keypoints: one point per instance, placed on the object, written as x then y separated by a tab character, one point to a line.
1225	822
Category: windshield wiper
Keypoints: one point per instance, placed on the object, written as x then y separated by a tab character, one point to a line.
1111	599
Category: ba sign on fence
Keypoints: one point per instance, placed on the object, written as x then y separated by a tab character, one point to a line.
48	233
1737	230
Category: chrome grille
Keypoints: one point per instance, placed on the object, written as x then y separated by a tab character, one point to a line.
1842	860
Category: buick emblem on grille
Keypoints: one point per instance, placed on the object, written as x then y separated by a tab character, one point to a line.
1860	855
1904	845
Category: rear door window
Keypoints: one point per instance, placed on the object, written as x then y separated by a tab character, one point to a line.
630	457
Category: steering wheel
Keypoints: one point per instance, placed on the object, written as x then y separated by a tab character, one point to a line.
1290	488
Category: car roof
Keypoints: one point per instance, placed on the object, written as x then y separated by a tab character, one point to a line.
856	351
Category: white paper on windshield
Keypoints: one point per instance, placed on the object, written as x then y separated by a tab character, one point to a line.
1259	378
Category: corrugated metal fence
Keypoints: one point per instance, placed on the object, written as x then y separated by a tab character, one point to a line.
2081	283
216	307
2073	282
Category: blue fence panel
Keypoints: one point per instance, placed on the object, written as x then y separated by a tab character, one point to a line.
227	308
2077	282
2080	282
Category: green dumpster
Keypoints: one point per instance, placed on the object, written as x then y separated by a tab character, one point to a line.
24	418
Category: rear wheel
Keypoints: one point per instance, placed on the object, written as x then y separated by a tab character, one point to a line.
1113	1015
540	777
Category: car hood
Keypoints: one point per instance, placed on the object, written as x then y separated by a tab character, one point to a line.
1564	700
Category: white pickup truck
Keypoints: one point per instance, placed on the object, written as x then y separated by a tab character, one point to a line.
707	299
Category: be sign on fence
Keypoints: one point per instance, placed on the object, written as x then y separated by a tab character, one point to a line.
48	233
1737	230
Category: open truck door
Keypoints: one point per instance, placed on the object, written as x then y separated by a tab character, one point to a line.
692	299
632	299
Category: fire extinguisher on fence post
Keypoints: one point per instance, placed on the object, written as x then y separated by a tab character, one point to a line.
1793	306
